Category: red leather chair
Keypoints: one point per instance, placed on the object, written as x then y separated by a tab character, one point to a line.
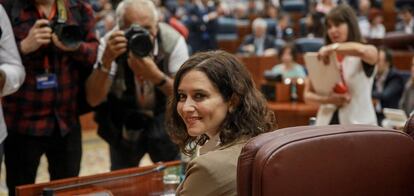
327	160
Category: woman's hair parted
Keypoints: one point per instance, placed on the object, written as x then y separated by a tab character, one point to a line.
344	14
250	115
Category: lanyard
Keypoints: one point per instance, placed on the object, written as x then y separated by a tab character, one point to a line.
52	14
340	59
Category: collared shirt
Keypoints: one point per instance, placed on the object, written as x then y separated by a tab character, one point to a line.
259	45
408	28
10	64
37	112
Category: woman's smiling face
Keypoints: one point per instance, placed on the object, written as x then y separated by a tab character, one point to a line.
200	104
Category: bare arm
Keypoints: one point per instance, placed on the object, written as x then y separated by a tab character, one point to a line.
97	87
100	81
368	53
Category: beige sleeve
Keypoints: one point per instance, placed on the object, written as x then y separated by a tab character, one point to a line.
198	180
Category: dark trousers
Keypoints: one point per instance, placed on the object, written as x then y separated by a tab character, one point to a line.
154	141
335	118
23	152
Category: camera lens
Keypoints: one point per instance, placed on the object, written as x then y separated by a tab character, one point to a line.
139	41
71	35
140	44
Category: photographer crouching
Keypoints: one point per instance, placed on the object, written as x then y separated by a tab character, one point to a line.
131	82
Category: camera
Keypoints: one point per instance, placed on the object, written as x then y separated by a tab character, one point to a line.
69	34
139	42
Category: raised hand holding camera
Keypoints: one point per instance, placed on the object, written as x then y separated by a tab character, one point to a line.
116	46
40	34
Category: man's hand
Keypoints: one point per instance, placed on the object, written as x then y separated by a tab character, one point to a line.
115	46
146	68
62	46
40	34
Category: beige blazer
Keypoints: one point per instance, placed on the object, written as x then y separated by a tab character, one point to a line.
213	173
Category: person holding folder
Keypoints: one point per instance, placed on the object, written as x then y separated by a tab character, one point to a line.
215	105
350	99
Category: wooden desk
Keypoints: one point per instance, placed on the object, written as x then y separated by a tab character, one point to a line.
257	65
290	114
138	185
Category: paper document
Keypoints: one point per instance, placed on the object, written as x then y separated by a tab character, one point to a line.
395	114
323	77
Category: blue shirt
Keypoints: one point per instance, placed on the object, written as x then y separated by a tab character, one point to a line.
297	71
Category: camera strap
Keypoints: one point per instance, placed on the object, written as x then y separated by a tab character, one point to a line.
61	11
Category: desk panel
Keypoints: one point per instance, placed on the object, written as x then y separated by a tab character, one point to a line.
289	114
120	184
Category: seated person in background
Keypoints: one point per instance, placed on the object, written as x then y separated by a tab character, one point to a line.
288	68
388	84
258	43
376	29
313	25
271	12
324	6
363	12
282	29
406	24
215	105
407	99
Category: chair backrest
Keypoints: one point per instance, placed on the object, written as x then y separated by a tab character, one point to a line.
308	44
327	160
399	40
279	44
293	5
227	29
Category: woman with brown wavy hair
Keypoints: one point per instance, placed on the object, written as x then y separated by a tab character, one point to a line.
215	105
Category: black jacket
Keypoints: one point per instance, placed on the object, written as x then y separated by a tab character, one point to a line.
393	89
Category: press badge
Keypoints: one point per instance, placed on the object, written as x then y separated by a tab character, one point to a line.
46	81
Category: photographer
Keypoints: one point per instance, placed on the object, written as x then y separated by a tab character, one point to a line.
57	44
11	69
131	82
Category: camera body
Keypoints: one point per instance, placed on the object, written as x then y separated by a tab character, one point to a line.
69	34
139	43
